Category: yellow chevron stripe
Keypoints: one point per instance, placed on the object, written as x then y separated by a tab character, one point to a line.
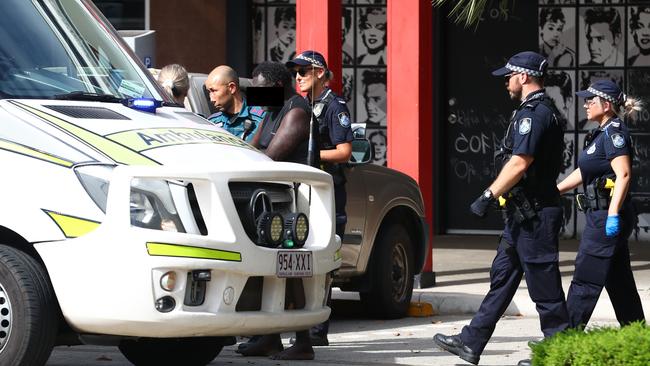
28	151
119	153
185	251
71	226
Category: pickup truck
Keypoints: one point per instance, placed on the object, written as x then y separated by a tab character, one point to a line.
385	239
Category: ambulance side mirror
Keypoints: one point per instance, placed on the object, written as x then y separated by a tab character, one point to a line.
361	151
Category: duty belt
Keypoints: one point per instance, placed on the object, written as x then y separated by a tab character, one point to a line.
597	195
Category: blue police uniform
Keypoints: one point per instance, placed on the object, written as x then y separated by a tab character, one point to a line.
604	261
244	124
530	247
334	126
533	218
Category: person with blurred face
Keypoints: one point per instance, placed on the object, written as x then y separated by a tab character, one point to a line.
603	34
640	27
551	26
372	25
284	47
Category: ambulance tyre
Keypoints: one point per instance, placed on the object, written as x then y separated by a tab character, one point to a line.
391	274
29	314
196	351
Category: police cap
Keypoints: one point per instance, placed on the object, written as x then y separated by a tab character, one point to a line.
605	89
528	62
308	58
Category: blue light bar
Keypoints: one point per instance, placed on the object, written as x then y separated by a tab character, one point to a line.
143	104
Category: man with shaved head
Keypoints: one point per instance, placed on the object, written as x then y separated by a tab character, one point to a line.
233	115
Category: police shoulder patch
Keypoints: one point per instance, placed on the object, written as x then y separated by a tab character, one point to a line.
524	125
257	111
618	140
344	119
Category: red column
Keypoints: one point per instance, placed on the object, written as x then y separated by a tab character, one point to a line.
318	28
410	97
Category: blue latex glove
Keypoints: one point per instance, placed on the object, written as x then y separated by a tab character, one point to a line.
613	225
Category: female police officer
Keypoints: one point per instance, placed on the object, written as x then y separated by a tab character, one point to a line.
604	170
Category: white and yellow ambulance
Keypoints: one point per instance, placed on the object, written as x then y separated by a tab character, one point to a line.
127	220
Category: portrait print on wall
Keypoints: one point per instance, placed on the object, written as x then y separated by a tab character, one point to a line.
347	90
600	36
587	77
259	48
281	21
371	35
378	144
638	43
557	36
559	86
371	97
557	2
347	35
568	156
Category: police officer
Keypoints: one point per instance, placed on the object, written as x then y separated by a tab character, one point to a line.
531	153
335	138
604	171
233	115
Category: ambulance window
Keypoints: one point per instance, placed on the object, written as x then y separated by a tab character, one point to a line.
50	49
20	132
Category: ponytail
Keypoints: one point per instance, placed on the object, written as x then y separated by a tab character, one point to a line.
631	106
174	80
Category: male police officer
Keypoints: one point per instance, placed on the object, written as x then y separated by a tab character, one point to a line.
233	115
531	153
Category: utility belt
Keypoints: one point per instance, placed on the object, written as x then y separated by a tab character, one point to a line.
521	207
597	195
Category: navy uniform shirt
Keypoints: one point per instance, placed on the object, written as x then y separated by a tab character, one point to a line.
536	131
337	119
236	124
605	143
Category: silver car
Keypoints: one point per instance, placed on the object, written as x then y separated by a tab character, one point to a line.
385	239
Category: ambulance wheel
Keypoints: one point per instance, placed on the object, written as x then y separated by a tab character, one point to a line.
196	351
29	313
391	274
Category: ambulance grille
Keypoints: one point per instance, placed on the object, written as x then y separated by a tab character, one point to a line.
86	112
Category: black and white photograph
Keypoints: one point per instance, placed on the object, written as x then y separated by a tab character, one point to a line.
347	90
559	86
640	164
601	38
587	77
638	42
568	156
638	81
588	2
568	223
347	35
557	36
371	97
281	22
371	35
378	144
258	33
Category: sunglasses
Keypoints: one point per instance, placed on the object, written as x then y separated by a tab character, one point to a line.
508	76
302	71
590	101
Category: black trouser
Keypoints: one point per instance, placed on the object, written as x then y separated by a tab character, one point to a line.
604	261
530	248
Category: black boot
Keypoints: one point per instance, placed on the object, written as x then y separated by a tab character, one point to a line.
454	345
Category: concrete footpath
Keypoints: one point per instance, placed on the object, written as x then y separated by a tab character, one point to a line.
462	267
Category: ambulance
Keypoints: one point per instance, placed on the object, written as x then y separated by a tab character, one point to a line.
127	220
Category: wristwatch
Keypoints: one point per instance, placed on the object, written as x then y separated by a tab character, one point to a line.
487	194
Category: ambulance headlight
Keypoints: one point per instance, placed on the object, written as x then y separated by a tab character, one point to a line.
152	206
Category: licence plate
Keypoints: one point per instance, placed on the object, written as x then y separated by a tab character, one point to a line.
294	264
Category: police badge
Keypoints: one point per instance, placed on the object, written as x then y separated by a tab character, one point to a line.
618	140
318	109
591	149
344	119
524	126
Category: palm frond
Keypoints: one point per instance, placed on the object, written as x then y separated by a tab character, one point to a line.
467	12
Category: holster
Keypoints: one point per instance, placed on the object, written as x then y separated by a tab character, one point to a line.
596	196
519	206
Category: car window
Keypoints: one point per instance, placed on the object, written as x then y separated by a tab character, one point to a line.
50	48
